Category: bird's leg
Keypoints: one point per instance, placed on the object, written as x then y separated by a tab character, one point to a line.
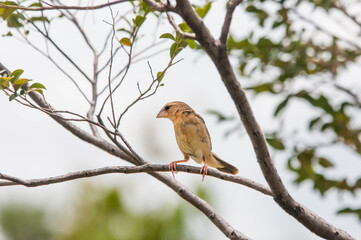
173	165
204	170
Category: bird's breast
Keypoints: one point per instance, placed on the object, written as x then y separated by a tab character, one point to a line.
192	141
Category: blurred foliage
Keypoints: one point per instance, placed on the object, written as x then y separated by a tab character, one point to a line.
290	57
22	222
102	214
97	214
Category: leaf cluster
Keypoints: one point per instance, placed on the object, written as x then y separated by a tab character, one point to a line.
16	83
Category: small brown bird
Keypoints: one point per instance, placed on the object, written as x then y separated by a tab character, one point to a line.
193	138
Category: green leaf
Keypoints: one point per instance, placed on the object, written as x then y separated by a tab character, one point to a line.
160	76
281	106
202	11
325	163
40	18
277	24
126	41
9	34
124	30
350	210
185	28
220	116
4	82
191	43
37	90
37	85
252	9
264	87
20	82
167	35
37	4
13	96
8	11
313	122
13	21
177	47
139	20
16	74
276	143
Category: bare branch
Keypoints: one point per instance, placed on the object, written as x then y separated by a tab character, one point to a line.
90	114
126	69
56	65
131	170
61	51
143	94
57	7
179	31
231	6
156	6
111	66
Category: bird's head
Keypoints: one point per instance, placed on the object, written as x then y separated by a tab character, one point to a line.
173	109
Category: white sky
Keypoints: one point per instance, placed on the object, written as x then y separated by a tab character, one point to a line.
35	146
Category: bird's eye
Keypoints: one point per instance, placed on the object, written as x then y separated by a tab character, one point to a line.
167	108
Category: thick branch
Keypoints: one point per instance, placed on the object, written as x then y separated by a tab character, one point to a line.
131	170
219	55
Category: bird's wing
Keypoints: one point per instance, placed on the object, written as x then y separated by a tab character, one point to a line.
203	128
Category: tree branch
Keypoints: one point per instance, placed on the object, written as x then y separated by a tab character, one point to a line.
132	170
220	58
179	31
55	7
181	190
231	6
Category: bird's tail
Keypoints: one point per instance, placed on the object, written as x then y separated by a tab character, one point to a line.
224	166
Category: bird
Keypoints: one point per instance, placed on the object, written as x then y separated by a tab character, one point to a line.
193	138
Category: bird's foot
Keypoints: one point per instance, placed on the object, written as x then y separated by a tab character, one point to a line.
204	171
173	167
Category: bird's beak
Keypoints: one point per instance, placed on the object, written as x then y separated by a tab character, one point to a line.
162	114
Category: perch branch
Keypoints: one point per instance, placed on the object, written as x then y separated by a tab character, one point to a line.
131	170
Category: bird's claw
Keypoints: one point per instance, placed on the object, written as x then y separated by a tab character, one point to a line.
204	171
173	167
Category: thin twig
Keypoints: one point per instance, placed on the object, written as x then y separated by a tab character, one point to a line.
61	51
111	66
179	31
56	7
56	65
